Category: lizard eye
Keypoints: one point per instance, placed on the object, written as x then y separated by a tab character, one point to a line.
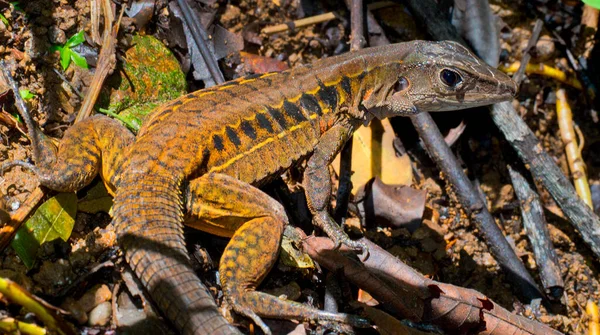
401	84
450	78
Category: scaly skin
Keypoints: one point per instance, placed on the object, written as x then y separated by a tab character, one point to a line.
199	159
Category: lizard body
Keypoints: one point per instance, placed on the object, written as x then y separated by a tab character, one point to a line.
199	158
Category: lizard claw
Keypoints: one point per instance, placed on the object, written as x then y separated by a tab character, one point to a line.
339	237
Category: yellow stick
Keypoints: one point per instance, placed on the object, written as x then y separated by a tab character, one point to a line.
544	70
567	133
592	311
299	23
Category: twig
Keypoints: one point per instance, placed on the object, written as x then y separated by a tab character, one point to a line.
474	206
292	25
106	61
539	236
200	36
535	35
357	36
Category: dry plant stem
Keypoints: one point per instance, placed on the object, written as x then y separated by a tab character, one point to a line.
298	23
95	20
106	61
544	70
591	308
522	139
535	35
537	230
572	150
200	36
473	205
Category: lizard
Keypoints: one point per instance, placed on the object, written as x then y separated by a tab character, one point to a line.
199	160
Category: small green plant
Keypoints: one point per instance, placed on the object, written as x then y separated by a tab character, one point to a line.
593	3
67	55
26	94
4	19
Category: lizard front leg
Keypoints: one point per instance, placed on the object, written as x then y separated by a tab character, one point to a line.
95	145
225	206
317	184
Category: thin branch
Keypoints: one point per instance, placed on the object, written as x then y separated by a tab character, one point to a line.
535	35
200	36
539	236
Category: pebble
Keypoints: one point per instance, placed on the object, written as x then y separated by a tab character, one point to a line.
100	315
94	297
57	35
544	48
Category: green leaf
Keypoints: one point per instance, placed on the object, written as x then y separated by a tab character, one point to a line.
132	123
593	3
26	246
96	200
4	19
53	219
78	59
65	58
75	40
56	48
26	94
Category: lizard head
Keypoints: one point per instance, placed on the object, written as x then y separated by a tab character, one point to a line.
442	76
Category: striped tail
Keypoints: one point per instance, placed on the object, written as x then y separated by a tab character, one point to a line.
148	220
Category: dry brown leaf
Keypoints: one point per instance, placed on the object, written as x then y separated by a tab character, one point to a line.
373	155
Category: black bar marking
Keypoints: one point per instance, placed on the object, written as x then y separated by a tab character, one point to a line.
247	128
347	87
278	117
263	122
233	137
218	141
329	96
293	111
311	104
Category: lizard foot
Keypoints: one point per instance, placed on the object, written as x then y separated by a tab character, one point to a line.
339	237
253	303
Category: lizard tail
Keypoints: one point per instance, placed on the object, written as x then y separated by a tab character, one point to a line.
148	219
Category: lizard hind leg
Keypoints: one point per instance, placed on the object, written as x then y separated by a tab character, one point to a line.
223	205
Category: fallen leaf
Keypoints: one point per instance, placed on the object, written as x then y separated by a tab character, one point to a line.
95	200
373	155
53	219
